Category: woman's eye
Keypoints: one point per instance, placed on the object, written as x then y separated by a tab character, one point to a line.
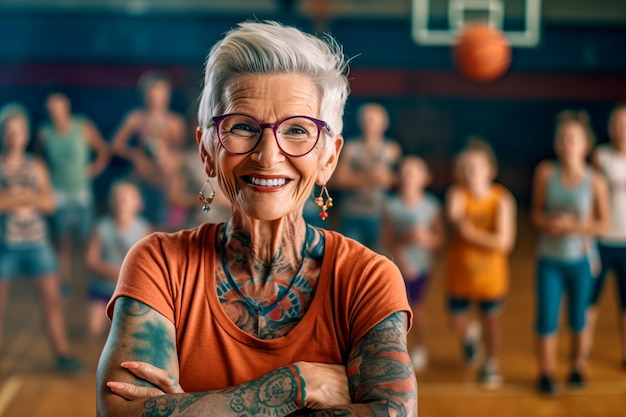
296	131
243	127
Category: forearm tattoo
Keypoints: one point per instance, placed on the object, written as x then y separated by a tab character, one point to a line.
273	395
380	375
169	405
380	369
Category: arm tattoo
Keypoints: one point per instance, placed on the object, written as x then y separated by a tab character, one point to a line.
132	307
152	344
382	380
166	406
382	368
148	339
272	395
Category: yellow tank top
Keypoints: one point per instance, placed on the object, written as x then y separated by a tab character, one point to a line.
476	272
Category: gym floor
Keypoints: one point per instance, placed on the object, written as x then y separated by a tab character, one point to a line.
28	386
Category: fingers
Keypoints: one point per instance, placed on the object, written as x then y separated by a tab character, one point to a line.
158	377
163	381
133	392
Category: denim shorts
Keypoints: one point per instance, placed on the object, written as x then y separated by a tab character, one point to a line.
28	261
73	218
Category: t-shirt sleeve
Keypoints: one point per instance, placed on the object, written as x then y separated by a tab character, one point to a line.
145	277
379	294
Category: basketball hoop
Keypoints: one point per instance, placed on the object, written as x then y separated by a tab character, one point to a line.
460	13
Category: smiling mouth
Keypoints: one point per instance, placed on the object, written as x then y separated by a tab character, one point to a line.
266	182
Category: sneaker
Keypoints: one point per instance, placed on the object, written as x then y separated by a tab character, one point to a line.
69	365
576	379
470	344
490	376
419	358
545	385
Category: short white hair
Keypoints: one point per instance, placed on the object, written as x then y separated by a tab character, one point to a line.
271	48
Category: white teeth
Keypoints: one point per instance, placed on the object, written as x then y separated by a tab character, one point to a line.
275	182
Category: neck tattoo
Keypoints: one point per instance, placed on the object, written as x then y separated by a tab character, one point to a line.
260	310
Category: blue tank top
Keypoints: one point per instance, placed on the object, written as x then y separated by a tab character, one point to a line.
67	156
576	200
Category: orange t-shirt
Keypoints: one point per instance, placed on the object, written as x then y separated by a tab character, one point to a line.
175	275
476	272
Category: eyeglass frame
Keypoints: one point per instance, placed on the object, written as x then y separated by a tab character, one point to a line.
319	123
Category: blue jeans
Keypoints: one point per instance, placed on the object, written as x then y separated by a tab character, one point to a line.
555	278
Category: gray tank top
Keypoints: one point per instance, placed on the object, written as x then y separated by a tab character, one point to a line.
577	200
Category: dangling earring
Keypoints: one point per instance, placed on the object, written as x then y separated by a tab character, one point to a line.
324	205
206	202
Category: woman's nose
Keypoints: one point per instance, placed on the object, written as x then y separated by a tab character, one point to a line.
267	151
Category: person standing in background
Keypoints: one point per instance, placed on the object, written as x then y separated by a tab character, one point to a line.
145	136
610	159
482	214
186	175
570	208
412	230
366	173
112	238
66	142
26	196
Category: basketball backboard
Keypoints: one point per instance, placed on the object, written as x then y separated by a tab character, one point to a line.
437	22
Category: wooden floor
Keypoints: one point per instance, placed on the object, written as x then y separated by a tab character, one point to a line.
28	387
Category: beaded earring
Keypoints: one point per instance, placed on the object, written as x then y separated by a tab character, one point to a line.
324	205
206	202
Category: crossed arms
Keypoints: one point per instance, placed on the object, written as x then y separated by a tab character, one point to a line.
381	380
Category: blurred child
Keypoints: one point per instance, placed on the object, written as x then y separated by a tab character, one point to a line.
111	239
25	249
483	219
412	229
147	134
66	142
365	173
570	207
610	159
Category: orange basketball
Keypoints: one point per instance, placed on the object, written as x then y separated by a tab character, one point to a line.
482	53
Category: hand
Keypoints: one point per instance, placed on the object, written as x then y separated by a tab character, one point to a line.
562	224
465	228
326	386
143	164
163	382
382	177
418	235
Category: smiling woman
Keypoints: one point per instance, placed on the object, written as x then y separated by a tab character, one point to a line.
263	314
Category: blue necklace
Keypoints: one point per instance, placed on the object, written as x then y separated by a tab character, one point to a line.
260	310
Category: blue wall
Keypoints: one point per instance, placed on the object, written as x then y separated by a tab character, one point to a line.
99	57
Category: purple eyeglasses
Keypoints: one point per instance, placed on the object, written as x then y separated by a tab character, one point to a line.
296	135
